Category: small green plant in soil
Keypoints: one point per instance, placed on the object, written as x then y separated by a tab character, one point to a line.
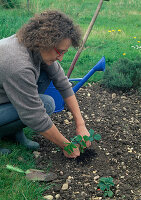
105	184
81	142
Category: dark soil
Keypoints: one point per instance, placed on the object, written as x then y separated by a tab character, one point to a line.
117	117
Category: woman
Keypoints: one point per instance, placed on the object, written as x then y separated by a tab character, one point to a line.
28	62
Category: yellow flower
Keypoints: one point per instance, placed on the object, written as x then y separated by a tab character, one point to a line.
124	54
113	30
119	30
139	41
109	31
134	37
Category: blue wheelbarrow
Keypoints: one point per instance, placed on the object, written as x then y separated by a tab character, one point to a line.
55	94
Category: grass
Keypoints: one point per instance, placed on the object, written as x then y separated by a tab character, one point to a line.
105	40
14	185
122	15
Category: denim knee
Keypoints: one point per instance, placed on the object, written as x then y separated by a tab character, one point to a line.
48	102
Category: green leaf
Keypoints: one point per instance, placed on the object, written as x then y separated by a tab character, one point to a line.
102	186
91	139
71	148
74	142
107	186
67	149
66	143
91	131
103	179
86	138
105	194
97	137
78	138
107	180
110	193
81	149
83	143
110	179
74	146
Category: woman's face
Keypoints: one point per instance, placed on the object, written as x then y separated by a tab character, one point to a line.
57	53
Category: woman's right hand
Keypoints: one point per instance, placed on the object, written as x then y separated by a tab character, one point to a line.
74	154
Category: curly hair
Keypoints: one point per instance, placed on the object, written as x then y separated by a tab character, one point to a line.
47	29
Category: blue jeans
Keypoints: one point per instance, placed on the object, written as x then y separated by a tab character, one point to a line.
9	118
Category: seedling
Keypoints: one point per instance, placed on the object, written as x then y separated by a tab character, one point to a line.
104	184
81	141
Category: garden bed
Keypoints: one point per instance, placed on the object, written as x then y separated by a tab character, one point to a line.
117	117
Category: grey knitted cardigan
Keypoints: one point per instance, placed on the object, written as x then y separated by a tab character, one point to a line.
19	73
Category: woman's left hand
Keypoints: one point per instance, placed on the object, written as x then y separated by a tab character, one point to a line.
82	130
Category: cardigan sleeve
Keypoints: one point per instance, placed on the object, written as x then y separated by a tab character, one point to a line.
56	73
21	89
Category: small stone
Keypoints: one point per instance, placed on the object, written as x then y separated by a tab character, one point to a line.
86	184
69	113
86	117
76	192
137	121
86	175
130	150
124	109
54	151
36	154
57	196
96	198
66	121
48	197
123	97
117	192
68	181
96	177
89	84
70	177
61	173
88	94
65	186
83	193
94	172
70	117
98	120
113	95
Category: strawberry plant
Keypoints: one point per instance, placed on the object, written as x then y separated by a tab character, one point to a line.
104	184
81	142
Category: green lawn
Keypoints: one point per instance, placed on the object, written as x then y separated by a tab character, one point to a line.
121	17
116	30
